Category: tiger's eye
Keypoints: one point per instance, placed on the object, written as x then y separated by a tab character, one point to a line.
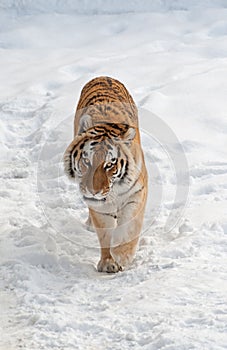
86	161
111	163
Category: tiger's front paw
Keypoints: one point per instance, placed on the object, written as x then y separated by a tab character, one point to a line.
108	265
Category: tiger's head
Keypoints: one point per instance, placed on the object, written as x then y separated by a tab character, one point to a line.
99	159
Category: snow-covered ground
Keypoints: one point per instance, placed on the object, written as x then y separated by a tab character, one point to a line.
173	60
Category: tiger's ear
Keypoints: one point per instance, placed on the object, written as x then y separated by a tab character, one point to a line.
70	158
68	166
85	123
129	135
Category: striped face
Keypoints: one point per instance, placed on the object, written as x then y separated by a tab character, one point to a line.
98	160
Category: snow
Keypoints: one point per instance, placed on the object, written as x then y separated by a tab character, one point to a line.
172	56
21	7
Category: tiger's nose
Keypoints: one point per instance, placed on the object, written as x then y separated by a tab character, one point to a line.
91	192
98	194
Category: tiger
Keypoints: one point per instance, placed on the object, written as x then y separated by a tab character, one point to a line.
106	159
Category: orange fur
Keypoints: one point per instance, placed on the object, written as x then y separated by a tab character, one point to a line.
107	160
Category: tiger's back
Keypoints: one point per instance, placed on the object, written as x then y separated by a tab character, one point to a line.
106	99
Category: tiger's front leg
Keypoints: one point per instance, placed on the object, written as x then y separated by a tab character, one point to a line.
107	263
104	225
126	236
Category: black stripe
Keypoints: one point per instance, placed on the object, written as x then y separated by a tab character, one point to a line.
70	170
123	128
115	111
126	170
112	133
109	214
131	202
104	95
94	143
90	102
91	85
109	80
138	190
